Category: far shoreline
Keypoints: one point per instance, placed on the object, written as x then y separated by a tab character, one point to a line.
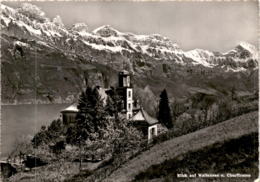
17	104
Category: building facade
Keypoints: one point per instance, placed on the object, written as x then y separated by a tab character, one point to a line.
125	90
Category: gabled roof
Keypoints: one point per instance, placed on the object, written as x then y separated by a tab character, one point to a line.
71	108
142	115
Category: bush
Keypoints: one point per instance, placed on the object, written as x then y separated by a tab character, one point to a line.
41	138
52	134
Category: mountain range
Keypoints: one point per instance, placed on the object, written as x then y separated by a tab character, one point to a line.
45	61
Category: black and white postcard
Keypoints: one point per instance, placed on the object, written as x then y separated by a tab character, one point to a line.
120	91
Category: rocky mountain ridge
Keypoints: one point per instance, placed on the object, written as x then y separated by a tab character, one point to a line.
106	38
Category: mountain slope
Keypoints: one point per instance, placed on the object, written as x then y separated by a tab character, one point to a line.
35	45
174	148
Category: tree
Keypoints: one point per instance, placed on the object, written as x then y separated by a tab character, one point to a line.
114	103
177	108
99	129
89	119
225	110
203	102
46	136
164	115
40	138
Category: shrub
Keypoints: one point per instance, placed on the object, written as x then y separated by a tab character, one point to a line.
52	134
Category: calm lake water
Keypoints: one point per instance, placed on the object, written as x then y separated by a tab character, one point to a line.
21	122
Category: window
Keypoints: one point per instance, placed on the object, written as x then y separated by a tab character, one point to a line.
152	131
64	118
129	93
129	115
129	106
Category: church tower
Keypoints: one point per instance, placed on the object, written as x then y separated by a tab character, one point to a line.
126	91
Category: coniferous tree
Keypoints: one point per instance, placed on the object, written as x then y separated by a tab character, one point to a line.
114	102
89	119
164	115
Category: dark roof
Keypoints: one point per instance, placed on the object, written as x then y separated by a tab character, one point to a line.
142	115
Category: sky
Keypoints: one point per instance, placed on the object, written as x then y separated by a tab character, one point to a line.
215	26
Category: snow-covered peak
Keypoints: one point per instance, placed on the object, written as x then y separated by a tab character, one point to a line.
30	21
80	28
200	56
6	14
160	37
107	39
200	53
4	7
243	51
106	31
247	46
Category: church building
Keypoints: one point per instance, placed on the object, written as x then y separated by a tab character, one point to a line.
130	108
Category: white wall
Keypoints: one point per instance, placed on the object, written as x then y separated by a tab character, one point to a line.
150	129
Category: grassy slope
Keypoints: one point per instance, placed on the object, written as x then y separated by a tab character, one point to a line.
225	131
235	156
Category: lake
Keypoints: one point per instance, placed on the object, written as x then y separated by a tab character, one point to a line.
21	122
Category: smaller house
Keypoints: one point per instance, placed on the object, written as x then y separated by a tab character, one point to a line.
144	122
69	114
